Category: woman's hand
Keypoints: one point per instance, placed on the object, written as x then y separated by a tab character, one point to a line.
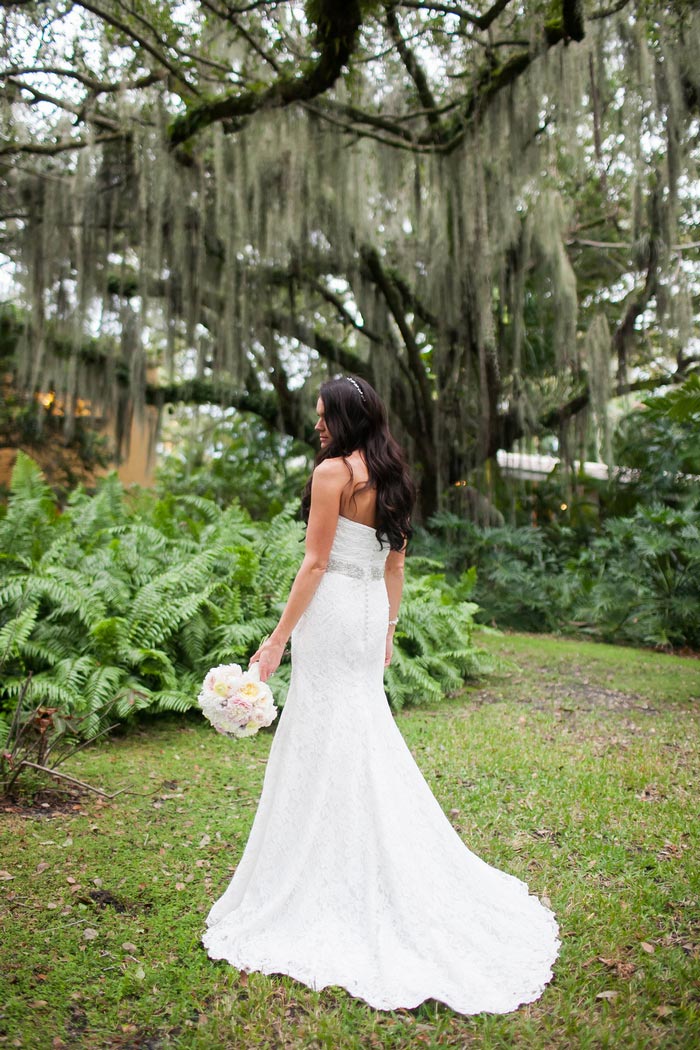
268	656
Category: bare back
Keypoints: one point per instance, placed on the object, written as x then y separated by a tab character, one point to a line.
358	503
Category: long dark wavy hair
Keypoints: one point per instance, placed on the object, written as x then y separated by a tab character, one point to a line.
356	420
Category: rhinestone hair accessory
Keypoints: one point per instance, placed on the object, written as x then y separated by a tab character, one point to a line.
357	386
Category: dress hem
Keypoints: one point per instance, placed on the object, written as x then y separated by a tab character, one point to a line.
317	983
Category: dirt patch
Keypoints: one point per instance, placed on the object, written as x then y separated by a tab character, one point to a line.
49	802
571	696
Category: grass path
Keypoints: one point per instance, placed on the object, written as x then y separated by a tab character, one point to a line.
575	767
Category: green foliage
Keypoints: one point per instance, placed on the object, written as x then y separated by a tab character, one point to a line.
129	600
434	649
37	740
517	570
637	580
640	579
660	444
108	601
230	456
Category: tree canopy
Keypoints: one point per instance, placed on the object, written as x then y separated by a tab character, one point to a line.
490	211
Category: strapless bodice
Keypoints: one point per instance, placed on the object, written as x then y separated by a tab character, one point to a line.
356	545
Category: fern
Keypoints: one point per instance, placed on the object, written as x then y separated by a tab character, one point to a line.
122	603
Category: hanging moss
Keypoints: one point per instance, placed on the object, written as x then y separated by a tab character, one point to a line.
190	254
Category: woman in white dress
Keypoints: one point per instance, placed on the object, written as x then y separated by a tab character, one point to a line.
352	874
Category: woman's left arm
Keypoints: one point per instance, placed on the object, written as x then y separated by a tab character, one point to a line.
327	483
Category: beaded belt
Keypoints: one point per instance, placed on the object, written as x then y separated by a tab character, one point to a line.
351	568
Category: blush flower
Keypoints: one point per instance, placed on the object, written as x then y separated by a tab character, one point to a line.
236	702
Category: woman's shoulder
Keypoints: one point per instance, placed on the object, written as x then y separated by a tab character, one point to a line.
339	466
331	471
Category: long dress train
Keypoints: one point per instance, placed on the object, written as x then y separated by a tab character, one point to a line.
352	874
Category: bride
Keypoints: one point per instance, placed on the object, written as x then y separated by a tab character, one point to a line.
352	874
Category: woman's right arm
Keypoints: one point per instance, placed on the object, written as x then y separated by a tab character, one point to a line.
326	487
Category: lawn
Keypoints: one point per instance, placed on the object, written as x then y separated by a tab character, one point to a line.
574	766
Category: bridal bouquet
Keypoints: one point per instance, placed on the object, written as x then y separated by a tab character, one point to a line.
236	702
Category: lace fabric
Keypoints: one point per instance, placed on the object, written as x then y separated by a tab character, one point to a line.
352	874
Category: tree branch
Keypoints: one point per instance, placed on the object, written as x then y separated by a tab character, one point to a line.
155	53
416	73
50	149
330	350
480	21
98	87
215	392
337	26
380	278
343	311
510	426
70	107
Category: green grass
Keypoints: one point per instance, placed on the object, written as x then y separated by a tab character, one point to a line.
575	767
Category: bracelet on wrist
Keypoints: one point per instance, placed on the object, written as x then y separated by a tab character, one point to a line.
392	623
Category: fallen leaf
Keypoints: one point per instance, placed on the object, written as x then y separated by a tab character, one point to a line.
129	947
204	841
41	866
179	885
619	966
5	875
607	995
646	947
90	934
663	1011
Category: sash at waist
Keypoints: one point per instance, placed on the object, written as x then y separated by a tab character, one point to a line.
353	569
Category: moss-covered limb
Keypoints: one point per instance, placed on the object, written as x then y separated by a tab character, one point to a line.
381	279
96	352
215	392
509	426
337	25
625	333
494	79
565	21
100	120
416	73
330	349
8	148
606	12
351	117
573	19
479	21
344	314
142	41
95	86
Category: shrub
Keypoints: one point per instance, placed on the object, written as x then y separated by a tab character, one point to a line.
129	599
637	580
640	580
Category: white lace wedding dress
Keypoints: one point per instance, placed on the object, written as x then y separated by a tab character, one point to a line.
352	874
